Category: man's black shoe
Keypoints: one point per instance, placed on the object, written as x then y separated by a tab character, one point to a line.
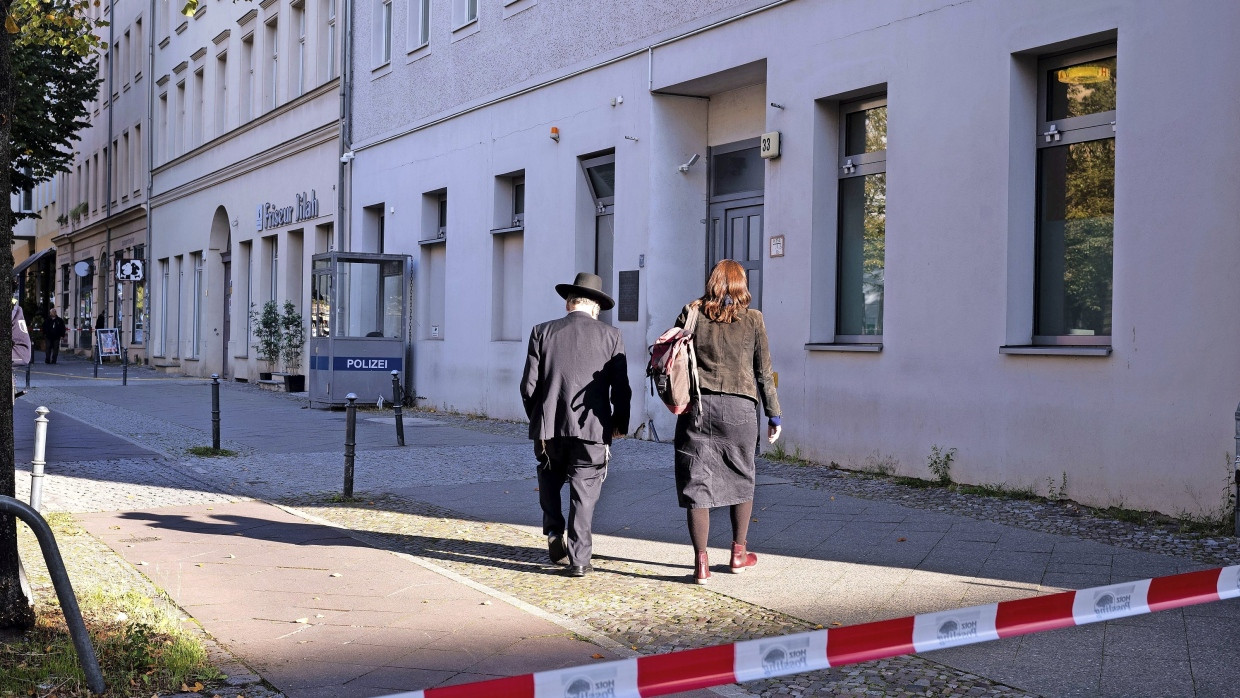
579	570
556	550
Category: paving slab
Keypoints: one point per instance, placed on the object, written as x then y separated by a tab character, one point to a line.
318	613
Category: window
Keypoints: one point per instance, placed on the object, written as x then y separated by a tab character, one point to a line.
419	24
329	41
383	33
165	15
178	129
298	76
138	299
126	49
138	48
139	167
273	65
196	328
862	221
273	267
125	173
507	259
1076	198
463	12
443	215
221	93
113	159
199	106
247	77
64	293
163	307
161	144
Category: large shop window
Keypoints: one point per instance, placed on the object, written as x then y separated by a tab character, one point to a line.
1076	198
862	222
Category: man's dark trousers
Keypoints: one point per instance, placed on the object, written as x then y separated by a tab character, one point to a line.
52	353
583	465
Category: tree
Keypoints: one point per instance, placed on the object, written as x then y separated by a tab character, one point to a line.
35	29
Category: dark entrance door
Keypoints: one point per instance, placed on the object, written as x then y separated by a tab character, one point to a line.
736	233
734	221
228	293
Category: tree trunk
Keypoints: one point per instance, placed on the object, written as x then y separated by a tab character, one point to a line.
15	612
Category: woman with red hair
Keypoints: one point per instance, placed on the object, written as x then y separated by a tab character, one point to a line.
715	439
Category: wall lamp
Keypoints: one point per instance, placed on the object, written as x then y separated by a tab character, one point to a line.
685	167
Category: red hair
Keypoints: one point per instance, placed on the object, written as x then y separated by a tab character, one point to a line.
727	281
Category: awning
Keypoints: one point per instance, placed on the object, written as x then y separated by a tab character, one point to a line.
32	259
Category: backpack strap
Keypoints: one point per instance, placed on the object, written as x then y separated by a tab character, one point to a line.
690	324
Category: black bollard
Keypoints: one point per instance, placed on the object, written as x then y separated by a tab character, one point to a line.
97	361
400	417
28	374
215	411
350	441
125	368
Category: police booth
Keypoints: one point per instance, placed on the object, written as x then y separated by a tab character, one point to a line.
358	331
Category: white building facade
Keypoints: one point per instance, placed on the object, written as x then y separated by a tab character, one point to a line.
101	216
985	226
245	119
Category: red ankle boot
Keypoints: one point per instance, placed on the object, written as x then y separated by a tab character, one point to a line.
742	558
701	568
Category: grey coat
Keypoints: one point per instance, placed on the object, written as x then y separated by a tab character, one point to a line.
734	358
576	380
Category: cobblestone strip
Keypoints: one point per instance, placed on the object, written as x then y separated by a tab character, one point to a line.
167	438
118	485
1065	519
632	605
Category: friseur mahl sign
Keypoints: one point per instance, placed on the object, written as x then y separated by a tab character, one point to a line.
271	216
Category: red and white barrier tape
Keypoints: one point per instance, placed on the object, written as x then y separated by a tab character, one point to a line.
765	658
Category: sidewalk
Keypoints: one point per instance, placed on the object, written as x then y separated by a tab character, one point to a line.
458	507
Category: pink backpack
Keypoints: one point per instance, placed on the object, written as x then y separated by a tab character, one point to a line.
673	366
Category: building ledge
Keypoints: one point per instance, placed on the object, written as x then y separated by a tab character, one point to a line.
1052	350
843	347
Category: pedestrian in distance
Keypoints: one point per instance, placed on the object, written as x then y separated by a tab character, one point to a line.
21	344
575	389
715	439
53	331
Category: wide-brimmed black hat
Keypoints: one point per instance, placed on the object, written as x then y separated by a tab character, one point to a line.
586	285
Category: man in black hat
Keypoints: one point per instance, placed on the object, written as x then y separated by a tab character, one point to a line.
576	394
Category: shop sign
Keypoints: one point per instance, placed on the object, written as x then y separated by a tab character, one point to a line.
271	216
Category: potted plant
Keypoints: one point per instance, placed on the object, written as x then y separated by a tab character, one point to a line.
267	335
293	340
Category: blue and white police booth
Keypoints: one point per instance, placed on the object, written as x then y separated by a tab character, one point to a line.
358	328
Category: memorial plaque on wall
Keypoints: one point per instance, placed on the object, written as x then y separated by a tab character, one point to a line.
627	300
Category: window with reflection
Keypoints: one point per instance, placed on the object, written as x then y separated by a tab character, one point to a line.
368	300
1076	198
862	243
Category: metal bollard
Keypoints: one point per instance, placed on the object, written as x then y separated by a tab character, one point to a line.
98	361
125	368
28	374
350	441
39	460
215	411
400	417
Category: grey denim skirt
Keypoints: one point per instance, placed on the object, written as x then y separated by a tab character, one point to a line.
714	452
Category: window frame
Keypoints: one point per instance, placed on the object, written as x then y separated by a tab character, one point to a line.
1067	131
853	167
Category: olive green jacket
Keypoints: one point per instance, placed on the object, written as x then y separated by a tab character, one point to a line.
735	358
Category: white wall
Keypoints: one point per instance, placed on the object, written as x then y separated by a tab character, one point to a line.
1148	426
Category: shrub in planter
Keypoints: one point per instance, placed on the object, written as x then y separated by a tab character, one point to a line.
293	340
268	334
